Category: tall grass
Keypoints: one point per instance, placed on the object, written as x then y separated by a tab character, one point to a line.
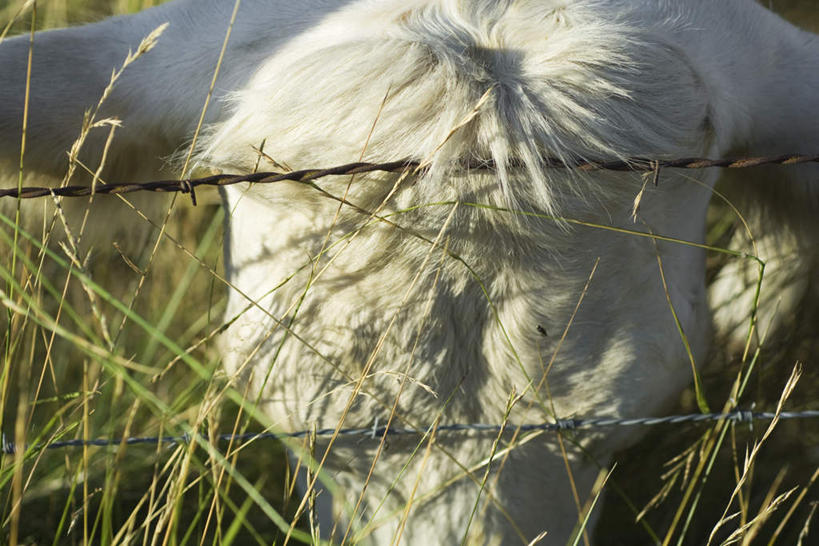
110	339
115	339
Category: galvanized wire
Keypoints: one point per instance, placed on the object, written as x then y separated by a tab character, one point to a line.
376	431
306	175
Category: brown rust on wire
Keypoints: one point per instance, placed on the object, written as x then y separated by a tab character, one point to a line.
307	175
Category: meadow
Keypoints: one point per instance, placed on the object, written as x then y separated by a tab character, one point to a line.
113	336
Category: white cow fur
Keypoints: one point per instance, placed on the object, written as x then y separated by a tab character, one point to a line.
584	79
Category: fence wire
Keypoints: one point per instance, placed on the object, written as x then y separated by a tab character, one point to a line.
307	175
376	431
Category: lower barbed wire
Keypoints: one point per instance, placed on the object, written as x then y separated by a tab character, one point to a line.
739	416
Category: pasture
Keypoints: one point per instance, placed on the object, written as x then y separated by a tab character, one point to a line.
110	326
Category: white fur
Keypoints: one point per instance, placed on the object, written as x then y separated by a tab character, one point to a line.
450	295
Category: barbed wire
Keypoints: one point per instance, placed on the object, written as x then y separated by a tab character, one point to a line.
305	175
376	431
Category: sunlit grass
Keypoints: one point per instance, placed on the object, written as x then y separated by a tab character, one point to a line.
88	354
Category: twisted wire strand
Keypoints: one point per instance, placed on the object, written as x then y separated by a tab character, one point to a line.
739	416
305	175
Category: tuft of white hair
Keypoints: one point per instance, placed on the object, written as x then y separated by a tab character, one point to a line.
570	82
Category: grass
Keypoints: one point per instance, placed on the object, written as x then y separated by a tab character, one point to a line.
117	340
87	353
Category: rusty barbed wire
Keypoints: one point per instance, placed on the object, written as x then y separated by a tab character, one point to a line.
189	185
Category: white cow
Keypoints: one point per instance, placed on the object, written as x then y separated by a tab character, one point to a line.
424	295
